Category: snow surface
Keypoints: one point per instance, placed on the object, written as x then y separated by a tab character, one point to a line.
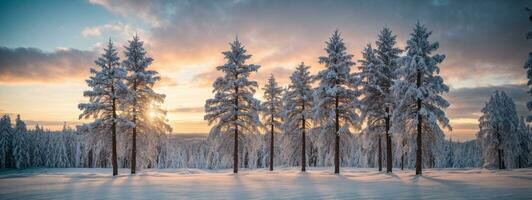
286	183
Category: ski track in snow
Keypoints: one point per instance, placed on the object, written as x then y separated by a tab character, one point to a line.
283	183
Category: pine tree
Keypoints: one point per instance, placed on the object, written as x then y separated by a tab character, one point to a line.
524	141
6	135
297	110
450	154
107	91
21	152
498	135
373	99
528	67
144	104
336	100
233	107
388	55
418	92
272	107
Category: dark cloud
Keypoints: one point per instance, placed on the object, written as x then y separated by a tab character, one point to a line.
34	65
467	102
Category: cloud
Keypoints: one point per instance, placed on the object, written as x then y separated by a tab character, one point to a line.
206	79
187	110
33	65
281	74
166	81
124	30
467	102
150	11
481	48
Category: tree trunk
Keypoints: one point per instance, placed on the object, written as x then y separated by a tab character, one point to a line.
388	142
499	150
502	160
303	153
271	146
235	148
419	126
403	161
337	141
134	149
403	156
380	153
519	161
114	157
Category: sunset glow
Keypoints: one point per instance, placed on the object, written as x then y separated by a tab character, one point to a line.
46	50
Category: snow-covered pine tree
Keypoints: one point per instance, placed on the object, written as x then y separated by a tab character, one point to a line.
336	99
373	101
6	135
498	135
418	91
271	112
297	112
233	107
449	159
21	152
107	91
524	141
37	152
388	56
143	108
528	67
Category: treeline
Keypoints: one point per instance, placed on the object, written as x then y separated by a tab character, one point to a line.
38	147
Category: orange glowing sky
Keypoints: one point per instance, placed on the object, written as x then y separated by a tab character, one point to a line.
47	48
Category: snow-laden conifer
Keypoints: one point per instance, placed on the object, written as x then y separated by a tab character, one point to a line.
528	67
298	112
6	135
336	99
388	55
419	104
21	152
498	136
107	92
233	110
271	112
143	107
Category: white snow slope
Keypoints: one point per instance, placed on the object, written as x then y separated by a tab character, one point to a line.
286	183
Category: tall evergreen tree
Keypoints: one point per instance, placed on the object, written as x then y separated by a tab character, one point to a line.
528	67
233	107
6	137
107	91
373	109
388	56
336	100
418	91
272	108
524	142
21	153
297	110
498	135
144	104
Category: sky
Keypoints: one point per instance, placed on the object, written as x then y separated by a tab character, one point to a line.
48	47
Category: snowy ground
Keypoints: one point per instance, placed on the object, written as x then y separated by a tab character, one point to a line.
286	183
